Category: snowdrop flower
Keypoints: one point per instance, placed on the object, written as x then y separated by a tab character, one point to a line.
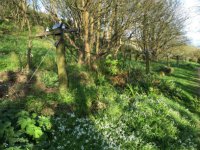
47	29
82	147
72	115
6	144
62	128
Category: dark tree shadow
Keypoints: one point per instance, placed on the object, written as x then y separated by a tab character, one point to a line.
16	85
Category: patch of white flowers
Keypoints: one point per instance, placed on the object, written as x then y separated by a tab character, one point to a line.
82	133
125	132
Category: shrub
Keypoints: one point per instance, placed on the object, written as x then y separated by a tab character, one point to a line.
198	60
144	82
22	130
120	80
34	104
49	78
110	65
166	70
101	79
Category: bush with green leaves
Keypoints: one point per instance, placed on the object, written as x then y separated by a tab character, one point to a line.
49	78
110	65
22	129
152	118
167	70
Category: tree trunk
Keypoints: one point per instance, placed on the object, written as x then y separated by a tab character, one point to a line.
25	20
85	15
86	38
29	67
92	36
168	61
177	60
98	30
137	56
80	57
147	59
61	65
117	48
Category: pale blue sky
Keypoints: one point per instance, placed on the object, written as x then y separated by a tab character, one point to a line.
192	8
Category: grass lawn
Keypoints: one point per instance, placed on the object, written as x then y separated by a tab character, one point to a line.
186	77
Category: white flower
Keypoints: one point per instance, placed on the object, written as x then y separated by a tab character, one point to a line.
72	115
62	128
82	147
5	144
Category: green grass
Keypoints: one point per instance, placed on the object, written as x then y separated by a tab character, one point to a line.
186	77
140	116
13	53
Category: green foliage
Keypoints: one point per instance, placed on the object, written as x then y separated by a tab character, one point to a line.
145	122
22	129
34	104
166	70
49	78
28	125
151	113
6	27
111	65
145	83
170	89
67	97
101	79
153	119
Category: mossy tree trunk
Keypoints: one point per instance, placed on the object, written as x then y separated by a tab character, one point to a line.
98	30
86	17
147	59
29	49
61	64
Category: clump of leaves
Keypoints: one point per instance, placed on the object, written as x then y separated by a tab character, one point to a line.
111	65
166	70
49	78
22	129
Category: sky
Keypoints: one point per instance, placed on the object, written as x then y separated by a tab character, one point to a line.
192	26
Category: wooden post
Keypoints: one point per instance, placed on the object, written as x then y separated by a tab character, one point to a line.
60	54
61	63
